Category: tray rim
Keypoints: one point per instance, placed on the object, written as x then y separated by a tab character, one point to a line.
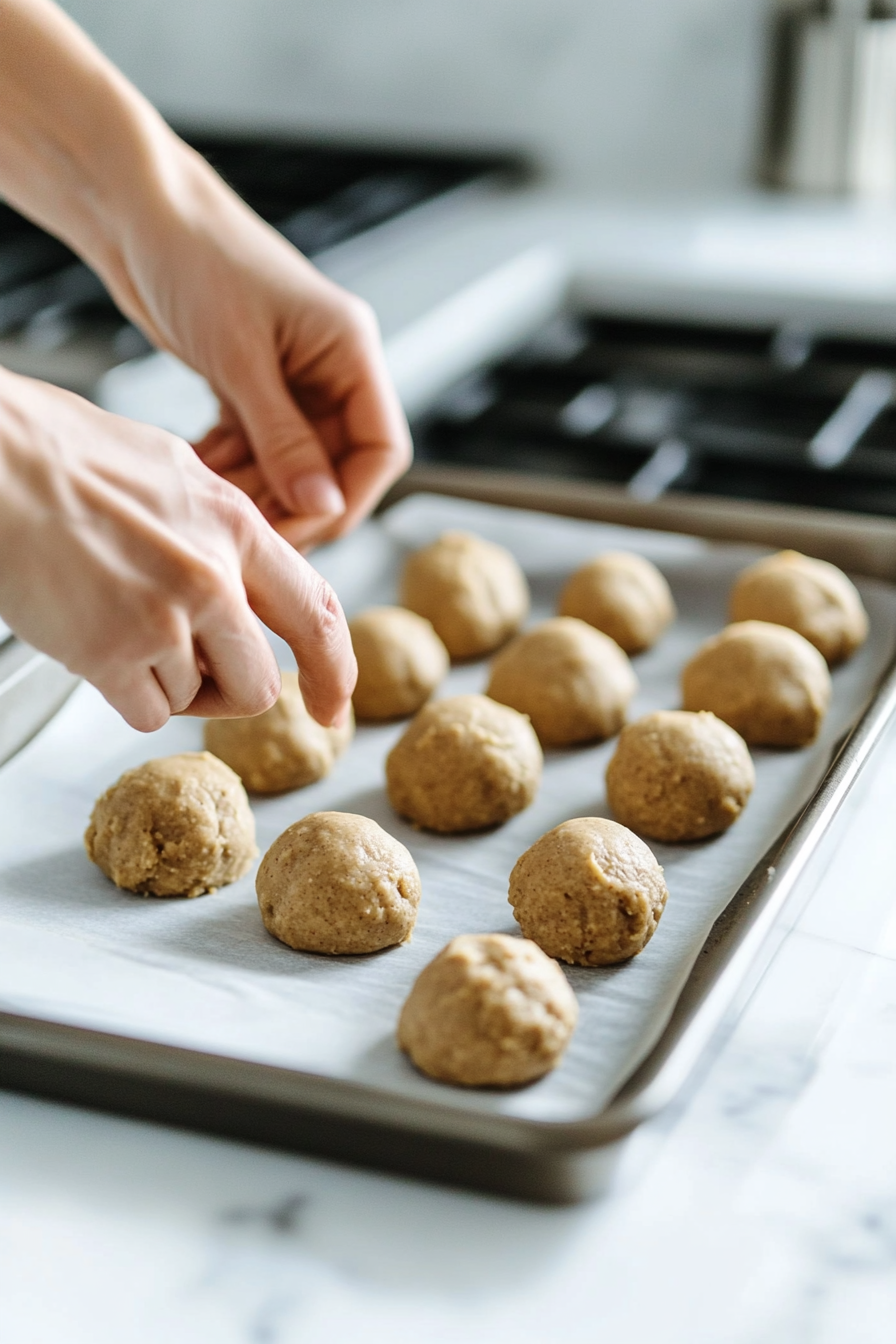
175	1084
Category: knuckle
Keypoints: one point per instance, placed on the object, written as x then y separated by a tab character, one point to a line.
328	612
334	640
148	628
161	623
207	571
237	512
208	584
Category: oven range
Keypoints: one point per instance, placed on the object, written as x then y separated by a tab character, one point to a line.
765	413
738	353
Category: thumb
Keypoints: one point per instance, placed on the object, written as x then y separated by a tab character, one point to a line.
288	451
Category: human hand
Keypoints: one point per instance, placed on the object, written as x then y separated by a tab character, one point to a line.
143	571
311	427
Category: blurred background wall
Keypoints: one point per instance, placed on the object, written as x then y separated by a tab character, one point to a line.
624	95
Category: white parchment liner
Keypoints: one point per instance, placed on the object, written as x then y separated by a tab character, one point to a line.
206	975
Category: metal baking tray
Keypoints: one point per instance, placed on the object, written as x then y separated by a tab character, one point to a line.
32	688
443	1136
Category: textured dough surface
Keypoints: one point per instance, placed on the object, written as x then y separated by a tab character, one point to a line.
401	661
588	892
338	883
679	776
463	764
572	681
623	595
281	749
473	592
488	1011
175	826
769	683
810	596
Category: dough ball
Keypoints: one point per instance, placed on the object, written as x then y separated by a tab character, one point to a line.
401	661
463	764
767	682
810	596
588	892
337	883
679	776
473	591
176	826
281	749
623	595
488	1011
572	681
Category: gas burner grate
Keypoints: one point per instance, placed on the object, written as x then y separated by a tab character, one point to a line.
316	195
772	415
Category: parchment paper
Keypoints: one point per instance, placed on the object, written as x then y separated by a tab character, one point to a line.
206	975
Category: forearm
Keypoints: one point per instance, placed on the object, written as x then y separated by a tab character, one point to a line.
81	151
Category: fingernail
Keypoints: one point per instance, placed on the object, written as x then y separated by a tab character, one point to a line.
317	495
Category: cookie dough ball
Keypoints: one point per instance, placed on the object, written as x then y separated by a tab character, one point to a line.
623	595
488	1011
767	682
588	892
340	884
679	776
810	596
463	764
281	749
573	682
176	826
401	661
473	592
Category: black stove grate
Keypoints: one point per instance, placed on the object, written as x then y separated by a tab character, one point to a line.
656	406
316	195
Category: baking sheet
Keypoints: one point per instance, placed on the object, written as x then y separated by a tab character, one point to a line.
205	974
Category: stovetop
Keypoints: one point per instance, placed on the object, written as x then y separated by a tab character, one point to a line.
57	320
764	414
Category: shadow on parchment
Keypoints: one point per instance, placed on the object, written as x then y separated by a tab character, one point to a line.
66	892
66	882
234	935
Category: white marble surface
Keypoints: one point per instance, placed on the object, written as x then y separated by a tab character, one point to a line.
761	1209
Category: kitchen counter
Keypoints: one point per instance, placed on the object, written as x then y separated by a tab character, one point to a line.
761	1208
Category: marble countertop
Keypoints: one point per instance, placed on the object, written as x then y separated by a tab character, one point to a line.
761	1208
